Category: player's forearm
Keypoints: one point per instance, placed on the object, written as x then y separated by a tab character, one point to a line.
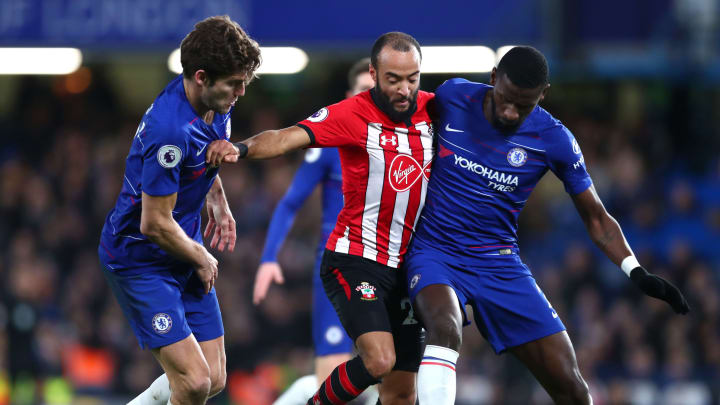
216	195
170	237
266	145
606	233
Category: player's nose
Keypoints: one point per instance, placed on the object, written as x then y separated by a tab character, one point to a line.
240	90
510	114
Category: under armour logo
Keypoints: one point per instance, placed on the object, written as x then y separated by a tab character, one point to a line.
385	140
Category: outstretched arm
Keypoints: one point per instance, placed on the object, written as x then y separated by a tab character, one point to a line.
607	235
265	145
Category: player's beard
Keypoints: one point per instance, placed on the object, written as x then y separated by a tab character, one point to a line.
499	125
386	106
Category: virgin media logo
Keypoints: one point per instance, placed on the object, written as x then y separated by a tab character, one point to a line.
406	171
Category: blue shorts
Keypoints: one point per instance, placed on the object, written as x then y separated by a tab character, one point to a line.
509	308
165	306
329	335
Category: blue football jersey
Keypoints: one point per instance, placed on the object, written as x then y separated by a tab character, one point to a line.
320	166
167	156
482	178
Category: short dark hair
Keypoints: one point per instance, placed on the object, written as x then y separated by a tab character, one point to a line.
398	41
356	70
220	47
525	66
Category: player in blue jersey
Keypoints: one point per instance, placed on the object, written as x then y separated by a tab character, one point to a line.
494	145
321	166
151	245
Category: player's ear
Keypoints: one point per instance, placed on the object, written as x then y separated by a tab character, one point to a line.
201	77
493	76
544	92
373	72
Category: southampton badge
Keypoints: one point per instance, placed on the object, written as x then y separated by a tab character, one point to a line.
169	156
517	157
367	290
162	323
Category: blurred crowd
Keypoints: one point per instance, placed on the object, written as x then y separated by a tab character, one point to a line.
63	338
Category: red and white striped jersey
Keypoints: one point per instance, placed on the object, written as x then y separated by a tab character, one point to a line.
385	168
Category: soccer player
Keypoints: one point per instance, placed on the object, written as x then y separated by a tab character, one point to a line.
494	145
332	345
151	245
385	142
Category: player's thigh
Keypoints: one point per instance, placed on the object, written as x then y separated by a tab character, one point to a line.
398	387
214	352
551	359
329	336
358	289
152	303
183	362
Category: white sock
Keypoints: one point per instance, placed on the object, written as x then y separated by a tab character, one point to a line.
299	392
158	393
436	377
368	397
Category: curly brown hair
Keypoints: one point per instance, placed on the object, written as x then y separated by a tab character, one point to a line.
220	47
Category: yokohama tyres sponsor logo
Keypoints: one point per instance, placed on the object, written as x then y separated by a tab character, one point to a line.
406	171
490	174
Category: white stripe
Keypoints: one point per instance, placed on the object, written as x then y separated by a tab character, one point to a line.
401	202
130	184
373	193
199	164
428	153
111	267
342	245
113	225
131	237
457	146
526	147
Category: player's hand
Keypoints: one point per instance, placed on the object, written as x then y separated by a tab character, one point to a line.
221	224
221	151
208	271
266	274
657	287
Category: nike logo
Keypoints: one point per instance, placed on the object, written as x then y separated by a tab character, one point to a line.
200	151
448	129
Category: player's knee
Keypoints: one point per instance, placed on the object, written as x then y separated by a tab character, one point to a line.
217	382
574	388
443	331
195	387
380	364
404	396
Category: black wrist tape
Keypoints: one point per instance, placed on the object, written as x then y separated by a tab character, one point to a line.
242	149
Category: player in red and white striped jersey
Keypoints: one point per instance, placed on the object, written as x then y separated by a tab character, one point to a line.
384	137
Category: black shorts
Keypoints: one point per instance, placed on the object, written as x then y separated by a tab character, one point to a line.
371	297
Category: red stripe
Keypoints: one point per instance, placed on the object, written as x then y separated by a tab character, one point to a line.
387	197
438	364
107	251
330	394
413	204
491	246
194	119
345	381
342	282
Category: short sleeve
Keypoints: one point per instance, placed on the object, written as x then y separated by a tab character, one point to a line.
163	153
566	159
333	125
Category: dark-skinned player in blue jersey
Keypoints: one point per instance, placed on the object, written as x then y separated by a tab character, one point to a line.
321	167
494	145
151	245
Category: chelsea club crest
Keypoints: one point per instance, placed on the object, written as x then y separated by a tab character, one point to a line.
517	157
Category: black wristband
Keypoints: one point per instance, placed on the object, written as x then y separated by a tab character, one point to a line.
638	272
242	149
